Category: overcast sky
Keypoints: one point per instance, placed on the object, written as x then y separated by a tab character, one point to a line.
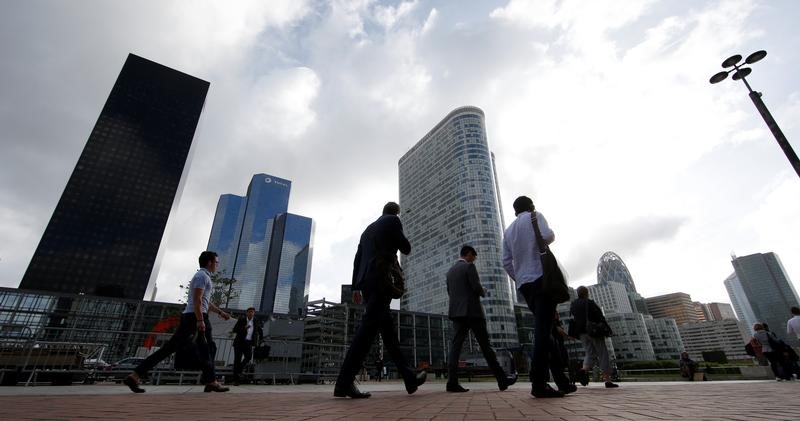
599	110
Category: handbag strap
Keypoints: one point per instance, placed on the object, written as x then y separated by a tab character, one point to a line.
537	233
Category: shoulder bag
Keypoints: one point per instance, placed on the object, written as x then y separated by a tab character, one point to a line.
596	329
553	283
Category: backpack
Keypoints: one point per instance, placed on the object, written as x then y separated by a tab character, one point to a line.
753	348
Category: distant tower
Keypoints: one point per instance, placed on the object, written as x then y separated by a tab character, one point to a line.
105	234
266	249
449	194
766	288
611	268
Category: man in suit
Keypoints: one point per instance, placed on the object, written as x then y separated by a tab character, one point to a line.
379	243
248	334
465	310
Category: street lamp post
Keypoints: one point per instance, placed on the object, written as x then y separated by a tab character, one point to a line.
740	72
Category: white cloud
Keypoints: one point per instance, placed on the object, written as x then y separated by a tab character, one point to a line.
600	110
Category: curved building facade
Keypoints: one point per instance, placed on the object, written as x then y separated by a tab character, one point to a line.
448	193
611	268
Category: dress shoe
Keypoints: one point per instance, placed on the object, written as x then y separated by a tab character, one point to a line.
508	381
351	391
456	388
133	384
215	387
568	389
418	381
546	392
582	377
611	385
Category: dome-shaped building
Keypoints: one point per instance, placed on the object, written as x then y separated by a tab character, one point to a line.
611	268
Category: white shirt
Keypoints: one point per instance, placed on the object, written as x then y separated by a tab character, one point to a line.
521	252
249	336
202	280
793	327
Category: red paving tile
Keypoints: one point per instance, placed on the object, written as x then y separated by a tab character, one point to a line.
633	401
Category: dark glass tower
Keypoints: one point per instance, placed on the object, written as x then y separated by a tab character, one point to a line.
767	290
105	233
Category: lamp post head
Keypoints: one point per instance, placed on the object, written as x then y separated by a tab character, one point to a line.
731	61
758	55
742	73
719	77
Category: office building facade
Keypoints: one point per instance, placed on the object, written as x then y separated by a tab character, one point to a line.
728	336
265	248
448	191
288	268
105	233
767	289
739	300
665	338
226	231
678	306
721	311
612	297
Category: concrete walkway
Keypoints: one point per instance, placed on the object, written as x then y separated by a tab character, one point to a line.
731	400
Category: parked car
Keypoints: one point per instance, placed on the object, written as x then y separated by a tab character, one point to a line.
128	363
95	364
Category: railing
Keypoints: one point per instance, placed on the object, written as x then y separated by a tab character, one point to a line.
62	356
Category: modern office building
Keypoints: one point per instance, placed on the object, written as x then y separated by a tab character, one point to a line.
767	289
448	193
289	266
678	306
226	231
631	338
664	337
424	339
266	249
739	300
105	233
721	311
612	297
702	312
727	335
611	268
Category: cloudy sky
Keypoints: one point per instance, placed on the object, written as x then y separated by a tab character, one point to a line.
601	111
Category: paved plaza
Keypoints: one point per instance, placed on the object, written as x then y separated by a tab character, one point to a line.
730	400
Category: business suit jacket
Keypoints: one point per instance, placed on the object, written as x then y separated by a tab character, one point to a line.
382	238
240	329
465	289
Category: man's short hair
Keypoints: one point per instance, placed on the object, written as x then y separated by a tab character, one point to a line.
522	204
391	208
583	292
466	250
206	257
795	311
251	308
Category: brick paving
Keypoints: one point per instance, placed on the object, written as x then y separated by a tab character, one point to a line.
733	400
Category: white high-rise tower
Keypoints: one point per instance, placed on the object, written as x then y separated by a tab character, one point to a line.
449	198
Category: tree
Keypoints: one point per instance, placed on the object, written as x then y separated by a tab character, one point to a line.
222	290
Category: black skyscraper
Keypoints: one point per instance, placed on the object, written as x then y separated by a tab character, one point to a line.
105	232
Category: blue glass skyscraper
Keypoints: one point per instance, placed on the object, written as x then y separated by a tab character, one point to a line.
261	245
289	266
226	230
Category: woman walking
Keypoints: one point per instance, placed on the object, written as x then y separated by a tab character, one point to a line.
590	326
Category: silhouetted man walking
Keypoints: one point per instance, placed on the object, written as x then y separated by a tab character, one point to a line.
379	244
465	310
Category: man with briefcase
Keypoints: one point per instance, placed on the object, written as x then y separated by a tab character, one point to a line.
248	334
